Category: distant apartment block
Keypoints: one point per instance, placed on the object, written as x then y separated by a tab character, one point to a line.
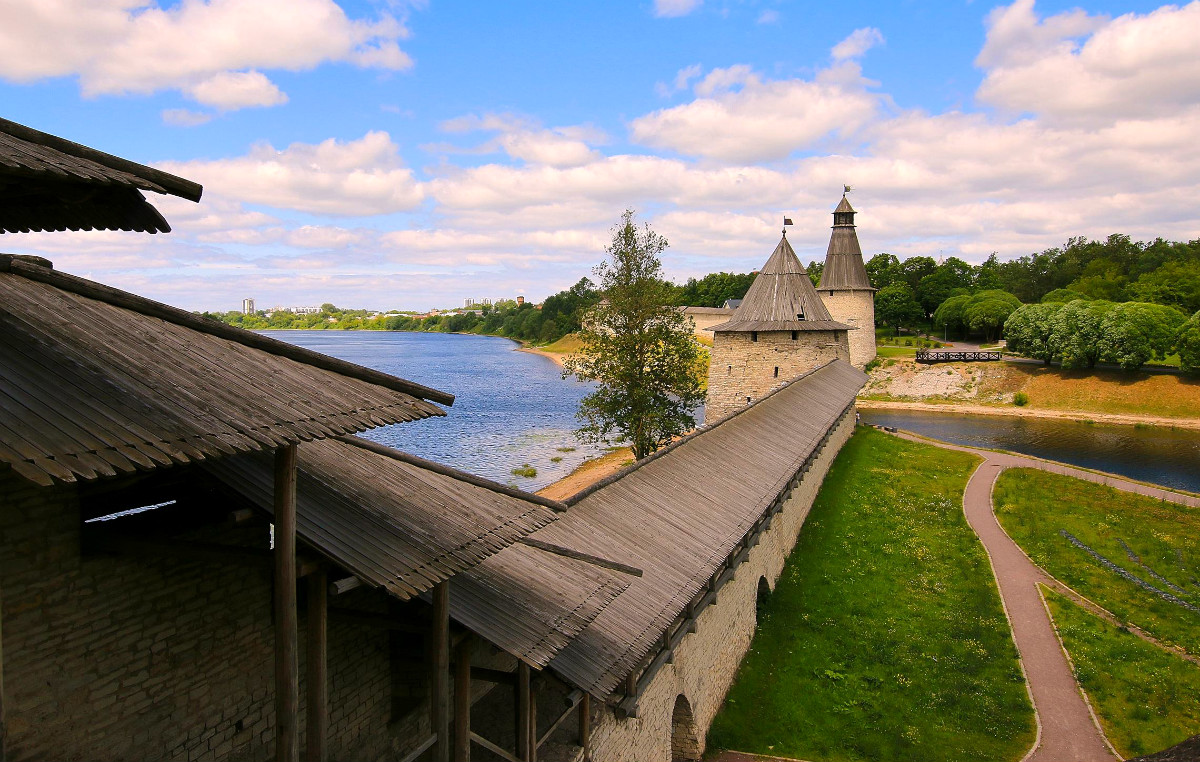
247	306
468	303
304	310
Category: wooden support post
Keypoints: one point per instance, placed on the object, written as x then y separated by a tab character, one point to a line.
316	681
532	730
439	684
523	711
585	726
462	700
3	719
287	678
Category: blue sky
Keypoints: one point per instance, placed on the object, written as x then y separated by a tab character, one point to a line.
407	156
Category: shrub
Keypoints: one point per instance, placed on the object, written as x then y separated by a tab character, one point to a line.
1020	399
525	470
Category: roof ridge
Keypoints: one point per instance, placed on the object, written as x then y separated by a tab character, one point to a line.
698	431
16	265
453	473
173	184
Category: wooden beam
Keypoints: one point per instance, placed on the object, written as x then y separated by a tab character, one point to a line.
578	556
532	728
462	701
316	681
287	679
344	585
439	683
3	719
523	685
585	726
493	675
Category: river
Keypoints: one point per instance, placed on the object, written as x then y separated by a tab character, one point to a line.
1170	457
511	408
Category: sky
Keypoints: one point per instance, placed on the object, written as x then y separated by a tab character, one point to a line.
408	155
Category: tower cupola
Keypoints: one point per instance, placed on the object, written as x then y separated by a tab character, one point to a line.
843	216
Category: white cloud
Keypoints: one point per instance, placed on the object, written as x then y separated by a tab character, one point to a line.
761	120
1072	67
182	117
682	78
353	178
138	46
675	8
768	17
857	43
522	138
232	90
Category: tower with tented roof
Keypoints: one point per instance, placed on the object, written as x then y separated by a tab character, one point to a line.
781	330
845	288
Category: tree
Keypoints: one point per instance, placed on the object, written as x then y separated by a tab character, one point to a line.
638	348
1077	332
939	285
1062	296
1187	343
883	270
1175	283
1028	330
1134	333
895	305
986	311
950	313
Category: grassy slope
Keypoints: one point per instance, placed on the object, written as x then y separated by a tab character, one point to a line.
1110	391
885	638
1033	506
1146	698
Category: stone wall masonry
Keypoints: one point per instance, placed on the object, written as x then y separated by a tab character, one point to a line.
706	661
856	309
742	368
125	658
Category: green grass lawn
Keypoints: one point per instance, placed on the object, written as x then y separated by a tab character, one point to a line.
1034	506
1146	699
885	638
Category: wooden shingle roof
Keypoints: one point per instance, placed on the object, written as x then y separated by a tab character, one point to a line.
97	381
49	183
844	269
678	514
781	298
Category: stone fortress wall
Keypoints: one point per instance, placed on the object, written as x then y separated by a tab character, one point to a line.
680	702
742	367
857	310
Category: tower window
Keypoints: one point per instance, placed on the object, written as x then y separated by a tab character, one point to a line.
795	335
754	336
776	371
731	370
747	400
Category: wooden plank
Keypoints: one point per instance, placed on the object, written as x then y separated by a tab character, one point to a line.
579	556
531	729
585	726
287	679
523	694
3	718
439	682
412	755
462	700
499	751
573	699
316	681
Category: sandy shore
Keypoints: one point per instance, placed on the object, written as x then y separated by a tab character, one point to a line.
1025	412
588	473
555	356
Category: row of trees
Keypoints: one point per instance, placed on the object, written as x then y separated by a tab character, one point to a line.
1082	332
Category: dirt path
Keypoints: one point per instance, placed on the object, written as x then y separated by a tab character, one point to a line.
1067	728
1024	412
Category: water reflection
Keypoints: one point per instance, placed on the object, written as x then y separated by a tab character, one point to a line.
1170	457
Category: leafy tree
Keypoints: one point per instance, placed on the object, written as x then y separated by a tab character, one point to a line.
814	271
1078	331
1187	343
883	270
1062	296
914	269
940	285
714	289
1175	283
1134	333
638	348
950	314
895	305
1028	330
986	311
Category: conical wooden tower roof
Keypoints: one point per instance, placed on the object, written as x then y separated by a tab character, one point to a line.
781	298
844	269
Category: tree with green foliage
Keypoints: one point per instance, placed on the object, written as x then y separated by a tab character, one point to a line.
950	314
1187	343
896	306
1133	333
951	276
638	348
714	289
883	270
1062	296
1028	330
1078	331
987	310
1176	284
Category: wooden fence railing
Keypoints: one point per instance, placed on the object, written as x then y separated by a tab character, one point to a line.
929	357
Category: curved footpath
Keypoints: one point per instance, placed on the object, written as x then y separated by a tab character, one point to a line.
1067	729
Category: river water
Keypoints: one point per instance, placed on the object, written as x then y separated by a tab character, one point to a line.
1170	457
511	408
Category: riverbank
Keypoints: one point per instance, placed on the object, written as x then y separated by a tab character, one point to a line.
588	473
1025	412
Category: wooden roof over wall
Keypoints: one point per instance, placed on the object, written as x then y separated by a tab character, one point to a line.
781	298
679	513
97	381
48	183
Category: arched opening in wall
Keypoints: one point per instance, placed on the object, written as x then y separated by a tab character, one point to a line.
761	600
685	745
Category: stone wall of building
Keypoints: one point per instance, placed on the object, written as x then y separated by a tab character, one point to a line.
118	657
707	660
745	366
855	309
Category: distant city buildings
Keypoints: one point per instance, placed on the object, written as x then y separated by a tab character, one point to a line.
304	310
247	306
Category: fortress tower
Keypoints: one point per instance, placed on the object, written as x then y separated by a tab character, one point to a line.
845	288
781	330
